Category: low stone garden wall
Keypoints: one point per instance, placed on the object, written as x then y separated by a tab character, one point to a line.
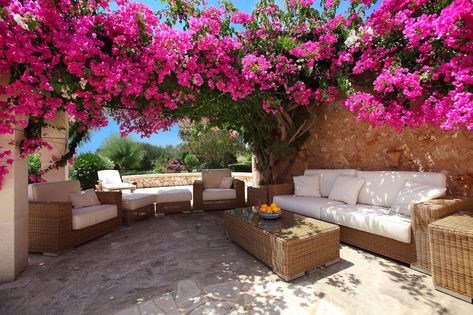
175	179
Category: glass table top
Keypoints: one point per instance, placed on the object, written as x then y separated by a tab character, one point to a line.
288	226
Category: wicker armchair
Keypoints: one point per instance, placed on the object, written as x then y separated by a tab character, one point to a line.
51	221
208	196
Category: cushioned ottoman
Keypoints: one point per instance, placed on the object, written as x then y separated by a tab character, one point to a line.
173	200
137	206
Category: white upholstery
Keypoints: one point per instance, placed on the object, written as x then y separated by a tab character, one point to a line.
413	193
307	186
88	216
382	187
327	178
84	198
118	186
53	191
372	219
346	189
308	206
211	178
173	195
218	194
137	200
109	177
226	183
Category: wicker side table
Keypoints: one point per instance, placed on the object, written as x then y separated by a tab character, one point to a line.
451	251
257	195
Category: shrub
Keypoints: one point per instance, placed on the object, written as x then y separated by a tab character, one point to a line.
240	167
34	166
192	161
125	152
211	164
85	168
175	166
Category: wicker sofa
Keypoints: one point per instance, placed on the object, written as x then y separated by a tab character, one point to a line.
370	224
208	196
56	227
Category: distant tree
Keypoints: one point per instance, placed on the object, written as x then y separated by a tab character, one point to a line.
211	143
192	161
85	168
150	154
126	153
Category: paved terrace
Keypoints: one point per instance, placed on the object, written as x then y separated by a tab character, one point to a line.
182	264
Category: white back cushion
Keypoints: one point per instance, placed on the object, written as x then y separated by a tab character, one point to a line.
346	189
307	186
52	191
413	193
327	178
382	187
86	198
211	178
109	176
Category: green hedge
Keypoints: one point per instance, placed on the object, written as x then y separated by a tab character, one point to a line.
85	168
240	167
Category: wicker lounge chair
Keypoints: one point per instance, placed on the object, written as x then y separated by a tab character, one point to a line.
110	180
208	194
54	226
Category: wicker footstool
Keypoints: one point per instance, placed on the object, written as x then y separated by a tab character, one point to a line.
291	245
451	251
173	200
137	206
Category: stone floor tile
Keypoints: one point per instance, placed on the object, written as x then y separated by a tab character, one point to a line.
187	291
167	304
149	308
129	311
225	290
218	308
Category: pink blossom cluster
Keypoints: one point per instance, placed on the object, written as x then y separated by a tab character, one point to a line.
92	62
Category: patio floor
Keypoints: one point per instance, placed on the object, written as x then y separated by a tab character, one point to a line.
182	264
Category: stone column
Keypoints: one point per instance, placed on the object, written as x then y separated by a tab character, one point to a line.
13	209
57	136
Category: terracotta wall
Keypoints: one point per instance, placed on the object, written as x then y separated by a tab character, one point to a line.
338	141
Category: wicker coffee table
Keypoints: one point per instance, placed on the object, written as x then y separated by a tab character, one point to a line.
291	245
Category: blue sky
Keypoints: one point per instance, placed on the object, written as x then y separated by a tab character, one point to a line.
166	137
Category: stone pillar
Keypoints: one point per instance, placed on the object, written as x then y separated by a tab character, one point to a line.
57	136
13	209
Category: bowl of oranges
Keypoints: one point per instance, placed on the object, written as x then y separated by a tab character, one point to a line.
269	212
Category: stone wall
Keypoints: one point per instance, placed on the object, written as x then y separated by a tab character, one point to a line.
338	141
175	179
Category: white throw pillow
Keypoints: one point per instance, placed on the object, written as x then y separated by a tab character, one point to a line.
346	188
226	183
86	198
413	193
307	186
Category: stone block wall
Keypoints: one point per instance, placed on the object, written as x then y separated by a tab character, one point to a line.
338	141
175	179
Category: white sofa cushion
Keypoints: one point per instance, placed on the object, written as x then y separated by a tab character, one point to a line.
346	189
382	187
308	206
307	186
413	193
211	178
53	191
118	186
327	178
218	194
173	195
226	183
133	201
372	219
88	216
84	198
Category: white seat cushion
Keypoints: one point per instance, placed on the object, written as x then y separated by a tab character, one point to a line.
173	195
118	186
136	200
376	220
308	206
218	194
88	216
382	187
327	178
